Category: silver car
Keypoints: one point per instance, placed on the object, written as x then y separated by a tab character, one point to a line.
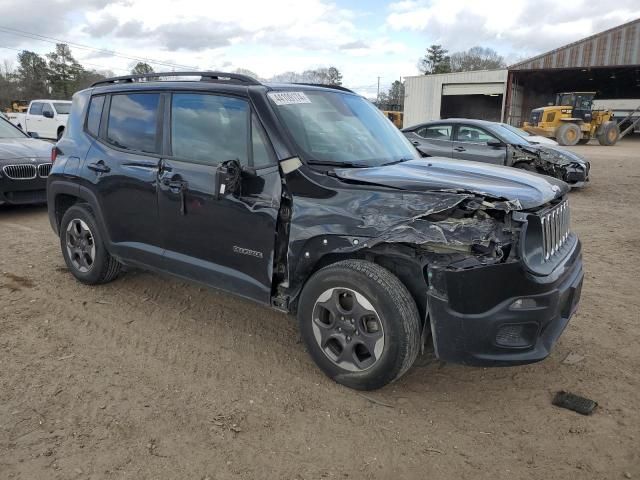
492	142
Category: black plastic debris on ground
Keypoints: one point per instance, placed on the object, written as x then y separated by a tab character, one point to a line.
574	402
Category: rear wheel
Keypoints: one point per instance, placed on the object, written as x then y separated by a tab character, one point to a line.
568	134
609	134
359	323
83	248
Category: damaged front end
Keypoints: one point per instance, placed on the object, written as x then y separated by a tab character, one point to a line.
493	282
555	162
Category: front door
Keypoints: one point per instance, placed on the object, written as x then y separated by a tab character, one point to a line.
470	143
226	241
48	123
123	166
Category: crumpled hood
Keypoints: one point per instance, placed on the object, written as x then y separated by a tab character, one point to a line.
443	174
556	154
24	148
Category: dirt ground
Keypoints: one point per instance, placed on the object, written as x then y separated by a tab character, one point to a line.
151	377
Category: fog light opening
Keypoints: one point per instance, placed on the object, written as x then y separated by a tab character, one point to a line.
517	335
524	304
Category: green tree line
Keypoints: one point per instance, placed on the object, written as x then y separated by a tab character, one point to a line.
56	75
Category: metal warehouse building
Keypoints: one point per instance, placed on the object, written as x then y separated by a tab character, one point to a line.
607	63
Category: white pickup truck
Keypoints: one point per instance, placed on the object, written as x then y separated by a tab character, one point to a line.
45	118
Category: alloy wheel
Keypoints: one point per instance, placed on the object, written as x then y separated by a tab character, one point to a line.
81	247
348	329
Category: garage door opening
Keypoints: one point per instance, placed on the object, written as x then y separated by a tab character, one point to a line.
617	88
481	107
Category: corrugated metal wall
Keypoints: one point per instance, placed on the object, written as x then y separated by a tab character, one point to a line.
617	46
423	94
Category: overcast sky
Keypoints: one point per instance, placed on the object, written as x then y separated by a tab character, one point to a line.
364	39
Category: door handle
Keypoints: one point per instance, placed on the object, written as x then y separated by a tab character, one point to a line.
177	185
99	167
460	149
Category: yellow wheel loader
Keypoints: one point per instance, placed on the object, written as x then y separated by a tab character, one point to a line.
572	120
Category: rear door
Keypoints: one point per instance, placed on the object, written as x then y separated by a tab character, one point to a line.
470	143
433	140
225	241
122	166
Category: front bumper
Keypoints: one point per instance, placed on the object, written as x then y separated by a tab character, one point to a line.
22	192
474	319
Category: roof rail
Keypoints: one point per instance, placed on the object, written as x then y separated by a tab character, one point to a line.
335	87
204	77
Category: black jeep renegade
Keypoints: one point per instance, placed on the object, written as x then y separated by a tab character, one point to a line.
306	198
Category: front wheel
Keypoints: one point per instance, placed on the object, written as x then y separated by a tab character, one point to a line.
568	134
359	323
60	133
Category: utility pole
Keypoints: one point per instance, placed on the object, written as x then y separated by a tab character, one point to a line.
378	95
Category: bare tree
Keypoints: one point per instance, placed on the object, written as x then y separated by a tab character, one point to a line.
476	58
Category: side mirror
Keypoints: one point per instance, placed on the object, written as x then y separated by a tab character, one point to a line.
47	114
227	178
495	143
34	135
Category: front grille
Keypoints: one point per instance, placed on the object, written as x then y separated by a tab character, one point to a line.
555	229
44	169
20	172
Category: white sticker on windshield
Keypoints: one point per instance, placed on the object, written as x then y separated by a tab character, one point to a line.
288	98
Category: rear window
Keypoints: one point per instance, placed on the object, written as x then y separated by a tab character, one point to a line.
94	115
133	120
62	108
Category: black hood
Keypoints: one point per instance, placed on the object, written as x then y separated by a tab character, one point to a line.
443	174
553	154
24	149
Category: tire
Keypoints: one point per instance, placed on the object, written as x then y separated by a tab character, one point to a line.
568	134
60	133
609	133
83	249
359	323
525	166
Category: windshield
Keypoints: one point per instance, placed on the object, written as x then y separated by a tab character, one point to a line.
340	128
517	131
7	130
62	108
508	135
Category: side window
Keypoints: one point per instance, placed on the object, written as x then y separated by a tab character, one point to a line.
261	155
435	132
47	108
467	133
94	115
133	121
36	108
209	128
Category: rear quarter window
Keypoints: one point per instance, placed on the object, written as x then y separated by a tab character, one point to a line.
94	115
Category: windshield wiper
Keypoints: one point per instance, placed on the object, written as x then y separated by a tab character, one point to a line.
394	162
329	163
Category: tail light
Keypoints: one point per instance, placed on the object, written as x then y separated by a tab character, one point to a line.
54	154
